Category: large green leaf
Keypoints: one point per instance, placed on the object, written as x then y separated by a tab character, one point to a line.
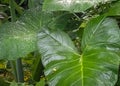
102	32
19	38
70	5
64	66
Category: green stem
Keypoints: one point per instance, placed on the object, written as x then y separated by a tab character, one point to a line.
12	63
37	67
12	10
77	16
19	69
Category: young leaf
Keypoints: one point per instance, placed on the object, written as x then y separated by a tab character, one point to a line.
65	67
70	5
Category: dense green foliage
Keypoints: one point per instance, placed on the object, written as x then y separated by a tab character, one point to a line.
78	41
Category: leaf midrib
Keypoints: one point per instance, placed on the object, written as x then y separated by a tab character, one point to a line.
81	63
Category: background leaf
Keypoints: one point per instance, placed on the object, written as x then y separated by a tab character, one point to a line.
114	10
35	3
65	21
34	18
19	38
16	41
70	5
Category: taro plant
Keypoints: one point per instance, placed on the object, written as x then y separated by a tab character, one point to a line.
78	42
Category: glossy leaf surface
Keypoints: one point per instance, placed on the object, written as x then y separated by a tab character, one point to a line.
102	32
64	66
70	5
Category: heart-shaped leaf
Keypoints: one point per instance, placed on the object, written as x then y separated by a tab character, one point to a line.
64	66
